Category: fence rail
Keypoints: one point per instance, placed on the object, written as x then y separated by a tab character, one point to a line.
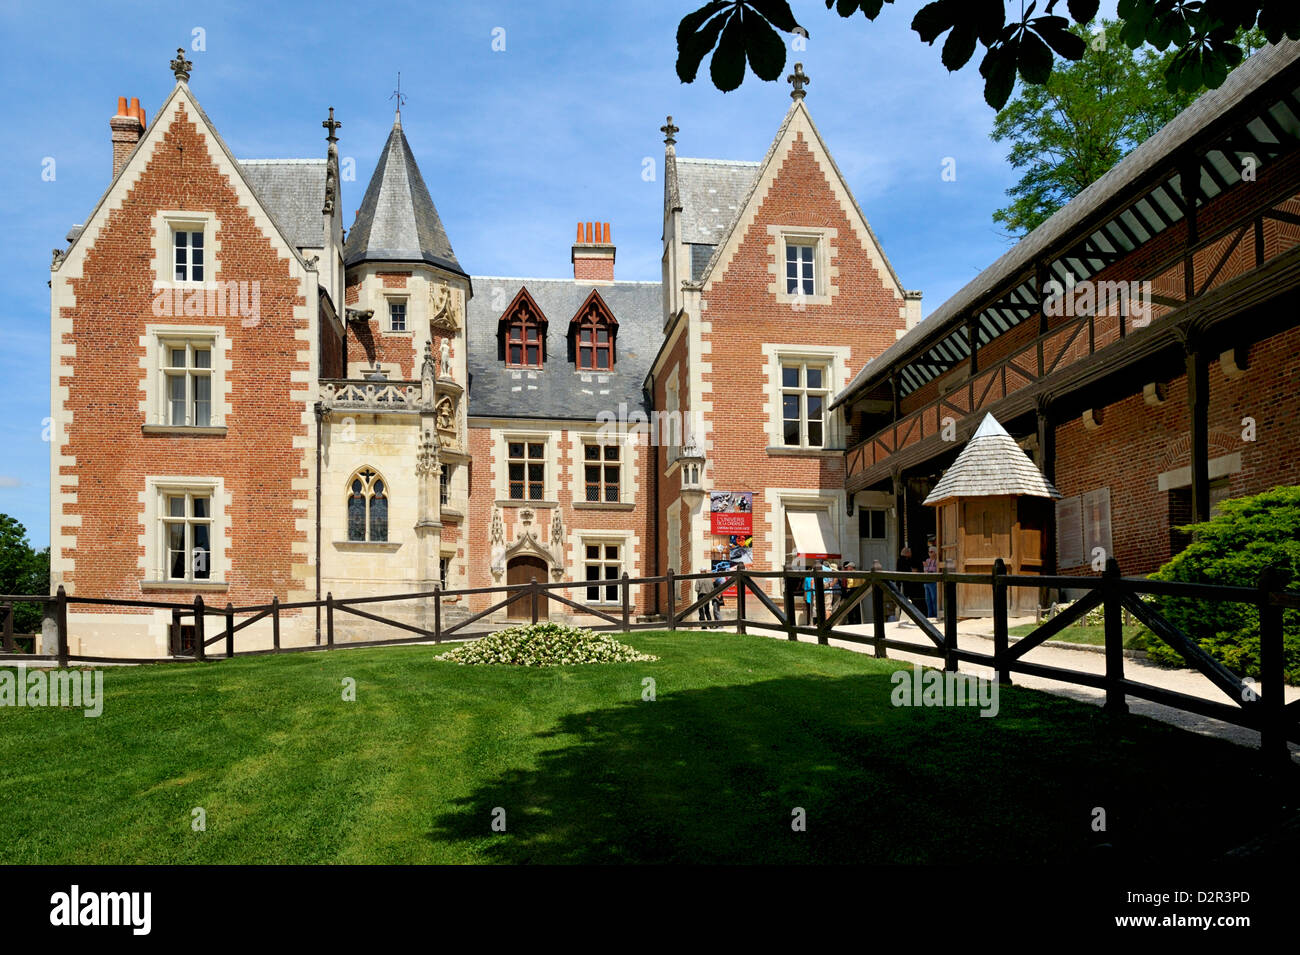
1259	706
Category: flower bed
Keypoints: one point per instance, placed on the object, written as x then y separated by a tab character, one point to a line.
544	645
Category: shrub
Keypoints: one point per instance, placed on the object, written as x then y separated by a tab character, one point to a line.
544	645
1245	536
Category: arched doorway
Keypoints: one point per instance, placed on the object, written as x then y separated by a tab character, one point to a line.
522	570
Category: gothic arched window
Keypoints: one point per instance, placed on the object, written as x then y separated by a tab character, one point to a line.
523	333
367	507
593	330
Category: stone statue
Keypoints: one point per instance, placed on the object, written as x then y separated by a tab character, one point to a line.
444	360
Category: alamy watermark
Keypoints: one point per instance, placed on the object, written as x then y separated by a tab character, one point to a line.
78	689
233	299
1077	299
922	687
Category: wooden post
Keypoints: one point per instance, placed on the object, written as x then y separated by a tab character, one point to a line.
329	618
230	629
672	600
200	651
63	626
1114	627
176	633
790	619
950	624
1273	729
741	578
627	602
1000	640
532	598
275	622
819	607
1198	409
437	613
878	615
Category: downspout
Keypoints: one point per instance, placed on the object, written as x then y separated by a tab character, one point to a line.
320	420
654	492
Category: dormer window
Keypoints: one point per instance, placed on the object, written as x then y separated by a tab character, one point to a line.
592	332
523	333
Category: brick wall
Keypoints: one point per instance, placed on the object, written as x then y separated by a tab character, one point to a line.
1137	442
256	458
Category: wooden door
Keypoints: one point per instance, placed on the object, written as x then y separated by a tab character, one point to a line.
984	535
522	570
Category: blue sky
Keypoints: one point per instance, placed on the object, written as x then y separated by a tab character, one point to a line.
516	146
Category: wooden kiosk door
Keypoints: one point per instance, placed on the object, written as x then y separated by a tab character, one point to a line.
522	570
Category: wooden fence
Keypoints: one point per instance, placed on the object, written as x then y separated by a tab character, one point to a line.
1260	706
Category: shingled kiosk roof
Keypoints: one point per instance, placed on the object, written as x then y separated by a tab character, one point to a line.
559	390
397	221
991	465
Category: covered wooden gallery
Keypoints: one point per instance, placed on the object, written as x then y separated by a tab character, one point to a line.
1141	343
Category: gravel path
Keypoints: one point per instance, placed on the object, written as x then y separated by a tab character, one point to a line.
976	636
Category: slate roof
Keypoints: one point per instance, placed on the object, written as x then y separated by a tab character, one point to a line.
1241	82
294	192
397	221
712	191
990	465
558	390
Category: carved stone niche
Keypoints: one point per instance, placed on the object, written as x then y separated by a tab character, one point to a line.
445	417
444	307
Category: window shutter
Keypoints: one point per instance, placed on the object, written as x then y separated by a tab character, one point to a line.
1096	523
1069	533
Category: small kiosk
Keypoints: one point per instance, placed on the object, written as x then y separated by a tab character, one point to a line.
993	502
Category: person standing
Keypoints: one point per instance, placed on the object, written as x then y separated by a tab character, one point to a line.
702	587
717	601
808	593
851	586
931	566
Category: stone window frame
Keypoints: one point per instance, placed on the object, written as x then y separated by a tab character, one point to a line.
405	301
374	487
157	339
157	489
601	539
824	275
832	358
580	479
166	222
549	482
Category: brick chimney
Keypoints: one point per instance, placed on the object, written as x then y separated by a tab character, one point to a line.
593	253
128	126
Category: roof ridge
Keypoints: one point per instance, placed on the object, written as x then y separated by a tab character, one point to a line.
721	162
280	162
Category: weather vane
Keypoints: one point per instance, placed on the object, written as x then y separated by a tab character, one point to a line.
397	94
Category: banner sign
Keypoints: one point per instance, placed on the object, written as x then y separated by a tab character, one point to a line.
731	513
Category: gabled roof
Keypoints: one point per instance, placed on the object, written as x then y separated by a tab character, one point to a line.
593	299
992	465
797	113
397	221
559	390
181	88
294	191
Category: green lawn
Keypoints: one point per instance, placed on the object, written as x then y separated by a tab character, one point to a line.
744	729
1134	635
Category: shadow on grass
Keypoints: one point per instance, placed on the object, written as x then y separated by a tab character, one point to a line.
715	775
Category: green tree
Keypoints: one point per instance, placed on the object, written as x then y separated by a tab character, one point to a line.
1245	536
1069	131
1201	35
22	571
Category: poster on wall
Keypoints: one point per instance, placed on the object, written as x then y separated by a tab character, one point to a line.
731	513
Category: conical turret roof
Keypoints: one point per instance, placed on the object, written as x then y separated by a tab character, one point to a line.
992	465
397	221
